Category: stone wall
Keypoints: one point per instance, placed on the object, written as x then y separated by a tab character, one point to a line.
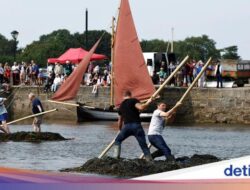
21	106
227	105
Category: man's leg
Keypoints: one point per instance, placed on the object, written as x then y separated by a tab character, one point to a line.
124	133
37	124
158	142
157	154
218	80
5	127
221	82
140	137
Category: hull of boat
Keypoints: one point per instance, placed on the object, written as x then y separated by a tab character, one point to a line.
96	114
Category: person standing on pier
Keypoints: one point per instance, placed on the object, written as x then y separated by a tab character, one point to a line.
3	116
129	115
36	108
218	74
156	127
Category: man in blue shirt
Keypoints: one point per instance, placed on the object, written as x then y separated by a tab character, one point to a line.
36	108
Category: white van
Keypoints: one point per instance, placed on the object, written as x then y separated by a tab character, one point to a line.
154	61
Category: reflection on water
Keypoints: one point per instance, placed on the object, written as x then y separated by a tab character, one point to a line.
91	138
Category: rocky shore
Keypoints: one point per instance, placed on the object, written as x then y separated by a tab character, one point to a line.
31	137
128	168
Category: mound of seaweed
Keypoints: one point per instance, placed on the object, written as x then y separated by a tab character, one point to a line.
31	137
137	167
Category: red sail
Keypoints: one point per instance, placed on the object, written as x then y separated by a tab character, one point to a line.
130	71
70	87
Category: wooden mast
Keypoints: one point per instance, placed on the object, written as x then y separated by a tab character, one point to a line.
112	62
172	42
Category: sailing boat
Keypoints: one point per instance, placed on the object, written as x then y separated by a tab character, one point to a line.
129	71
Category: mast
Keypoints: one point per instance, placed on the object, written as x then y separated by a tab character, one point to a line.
172	42
112	61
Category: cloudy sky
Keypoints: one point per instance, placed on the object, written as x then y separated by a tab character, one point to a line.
225	21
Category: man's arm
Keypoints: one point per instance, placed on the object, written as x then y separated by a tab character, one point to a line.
169	113
120	122
143	106
39	107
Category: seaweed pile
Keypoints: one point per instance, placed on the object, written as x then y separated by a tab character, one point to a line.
31	137
127	168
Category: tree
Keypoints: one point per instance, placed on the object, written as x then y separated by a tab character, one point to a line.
93	35
51	45
57	42
153	45
198	48
6	49
230	52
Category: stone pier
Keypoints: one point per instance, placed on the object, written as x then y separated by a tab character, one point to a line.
209	105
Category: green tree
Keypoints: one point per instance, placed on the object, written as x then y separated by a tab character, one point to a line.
93	35
230	52
57	42
199	48
153	45
6	49
51	45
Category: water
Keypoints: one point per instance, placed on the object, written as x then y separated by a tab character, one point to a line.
91	138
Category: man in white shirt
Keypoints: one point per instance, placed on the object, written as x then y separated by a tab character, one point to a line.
155	130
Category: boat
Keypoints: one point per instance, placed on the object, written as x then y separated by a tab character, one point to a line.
88	113
129	72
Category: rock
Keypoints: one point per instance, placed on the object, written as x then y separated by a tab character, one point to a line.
127	168
31	137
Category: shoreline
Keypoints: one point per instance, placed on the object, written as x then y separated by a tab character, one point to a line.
202	106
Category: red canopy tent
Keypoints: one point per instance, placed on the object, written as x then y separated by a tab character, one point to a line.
75	55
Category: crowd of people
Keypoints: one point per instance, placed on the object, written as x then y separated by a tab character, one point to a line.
19	73
55	74
183	77
51	77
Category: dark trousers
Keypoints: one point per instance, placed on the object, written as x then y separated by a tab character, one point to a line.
136	130
1	78
158	142
219	80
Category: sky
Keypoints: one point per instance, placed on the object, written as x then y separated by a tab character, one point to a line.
224	21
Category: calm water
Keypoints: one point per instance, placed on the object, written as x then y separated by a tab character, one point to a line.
92	138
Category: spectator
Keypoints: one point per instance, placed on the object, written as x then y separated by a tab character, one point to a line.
162	75
202	78
58	69
56	83
7	72
49	82
15	73
1	73
35	71
105	78
155	78
23	73
218	74
68	68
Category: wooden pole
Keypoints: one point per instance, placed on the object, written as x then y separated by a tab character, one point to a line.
30	116
170	77
187	91
195	80
64	103
112	61
107	148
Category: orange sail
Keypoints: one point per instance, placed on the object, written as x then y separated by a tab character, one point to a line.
130	71
70	87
